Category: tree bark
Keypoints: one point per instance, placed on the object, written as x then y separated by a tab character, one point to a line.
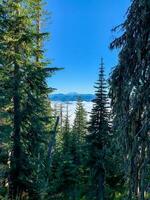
52	141
15	161
100	190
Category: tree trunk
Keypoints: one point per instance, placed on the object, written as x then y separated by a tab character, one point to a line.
134	183
100	189
52	141
142	170
15	161
142	189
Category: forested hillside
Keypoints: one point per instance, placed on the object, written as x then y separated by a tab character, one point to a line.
46	156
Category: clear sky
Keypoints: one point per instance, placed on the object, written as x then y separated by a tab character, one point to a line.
81	34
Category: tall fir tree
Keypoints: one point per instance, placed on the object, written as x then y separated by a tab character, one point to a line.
130	91
25	109
98	138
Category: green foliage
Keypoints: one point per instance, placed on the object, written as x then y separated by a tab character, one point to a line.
94	161
130	98
67	176
25	113
98	138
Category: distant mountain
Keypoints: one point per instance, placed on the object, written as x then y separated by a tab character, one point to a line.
71	97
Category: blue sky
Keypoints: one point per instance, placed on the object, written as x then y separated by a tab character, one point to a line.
80	36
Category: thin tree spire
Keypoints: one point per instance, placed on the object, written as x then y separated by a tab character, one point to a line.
98	136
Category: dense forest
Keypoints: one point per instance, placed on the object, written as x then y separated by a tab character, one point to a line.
45	157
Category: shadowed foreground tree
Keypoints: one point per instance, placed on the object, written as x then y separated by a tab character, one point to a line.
130	94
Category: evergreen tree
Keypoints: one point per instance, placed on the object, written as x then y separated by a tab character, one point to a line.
80	121
61	177
68	168
78	149
25	109
67	179
98	138
130	98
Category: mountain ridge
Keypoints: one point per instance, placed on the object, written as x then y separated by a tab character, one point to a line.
72	96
